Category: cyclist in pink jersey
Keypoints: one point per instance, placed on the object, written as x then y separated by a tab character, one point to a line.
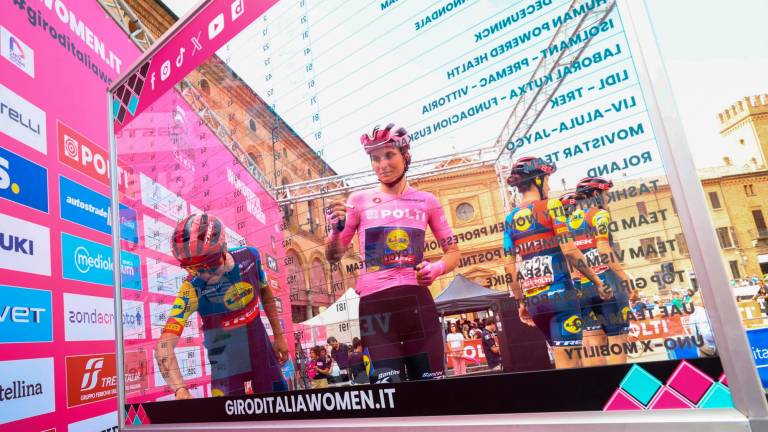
399	324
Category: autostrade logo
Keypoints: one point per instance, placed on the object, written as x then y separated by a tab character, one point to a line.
23	182
87	261
25	315
90	209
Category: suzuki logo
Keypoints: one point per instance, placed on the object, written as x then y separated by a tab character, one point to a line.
91	377
17	244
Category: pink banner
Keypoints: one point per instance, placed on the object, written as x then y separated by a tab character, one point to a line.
58	58
214	26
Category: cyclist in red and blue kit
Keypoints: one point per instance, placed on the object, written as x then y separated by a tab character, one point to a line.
399	324
541	252
226	288
605	320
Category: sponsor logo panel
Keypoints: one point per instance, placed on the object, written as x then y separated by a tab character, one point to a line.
133	320
90	378
87	261
136	371
85	207
88	318
159	198
157	235
103	423
25	315
22	120
17	52
78	152
23	182
24	246
26	389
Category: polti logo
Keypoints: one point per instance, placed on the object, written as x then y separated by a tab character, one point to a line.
26	389
22	120
87	261
17	52
25	315
82	154
90	378
23	182
24	246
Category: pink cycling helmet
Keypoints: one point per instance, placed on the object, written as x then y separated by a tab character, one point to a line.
391	136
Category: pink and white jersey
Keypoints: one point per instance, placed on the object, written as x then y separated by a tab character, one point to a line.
391	231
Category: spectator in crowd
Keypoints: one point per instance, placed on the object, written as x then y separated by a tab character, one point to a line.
465	331
455	341
677	299
340	354
323	365
761	296
312	364
356	363
699	327
491	345
475	332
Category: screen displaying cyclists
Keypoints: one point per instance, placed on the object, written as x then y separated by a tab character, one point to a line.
319	211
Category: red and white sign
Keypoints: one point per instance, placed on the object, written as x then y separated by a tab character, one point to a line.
82	154
472	351
90	378
136	371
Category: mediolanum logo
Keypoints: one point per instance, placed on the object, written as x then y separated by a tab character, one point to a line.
22	181
24	246
26	389
90	209
25	315
87	261
17	52
22	121
90	378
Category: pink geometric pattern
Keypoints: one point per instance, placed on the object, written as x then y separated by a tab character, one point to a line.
684	389
690	382
621	401
669	399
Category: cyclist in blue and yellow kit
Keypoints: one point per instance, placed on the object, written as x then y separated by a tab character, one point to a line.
225	287
536	234
605	321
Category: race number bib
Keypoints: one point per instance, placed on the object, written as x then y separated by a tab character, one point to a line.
536	274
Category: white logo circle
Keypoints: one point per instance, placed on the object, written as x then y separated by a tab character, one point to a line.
82	267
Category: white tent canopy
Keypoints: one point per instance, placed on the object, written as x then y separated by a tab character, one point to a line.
340	320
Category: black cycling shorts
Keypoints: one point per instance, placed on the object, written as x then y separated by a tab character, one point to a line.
401	330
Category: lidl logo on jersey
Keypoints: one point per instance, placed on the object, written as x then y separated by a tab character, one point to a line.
87	261
90	378
90	209
88	318
23	182
22	121
25	315
26	389
103	423
24	246
17	52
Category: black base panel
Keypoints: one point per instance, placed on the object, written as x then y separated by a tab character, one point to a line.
585	389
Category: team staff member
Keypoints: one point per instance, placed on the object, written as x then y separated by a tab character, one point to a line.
490	346
399	323
605	321
225	287
535	232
